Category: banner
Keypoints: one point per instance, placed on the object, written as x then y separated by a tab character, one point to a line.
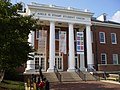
80	43
62	42
42	41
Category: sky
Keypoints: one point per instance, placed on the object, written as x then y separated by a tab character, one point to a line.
98	7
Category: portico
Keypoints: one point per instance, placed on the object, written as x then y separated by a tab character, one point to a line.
62	51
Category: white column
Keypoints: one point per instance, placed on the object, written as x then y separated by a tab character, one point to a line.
31	38
82	62
52	47
71	59
89	47
30	63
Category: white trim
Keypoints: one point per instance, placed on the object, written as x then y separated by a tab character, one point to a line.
62	9
103	37
105	24
116	56
58	14
56	58
114	37
42	55
109	64
105	58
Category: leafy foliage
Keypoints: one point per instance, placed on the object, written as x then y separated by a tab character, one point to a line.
14	31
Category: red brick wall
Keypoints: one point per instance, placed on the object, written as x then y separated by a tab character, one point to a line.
107	48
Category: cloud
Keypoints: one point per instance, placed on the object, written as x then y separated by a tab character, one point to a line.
116	17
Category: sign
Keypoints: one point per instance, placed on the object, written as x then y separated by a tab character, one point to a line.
80	43
42	40
62	42
57	15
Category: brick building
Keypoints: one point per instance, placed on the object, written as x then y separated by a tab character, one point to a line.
70	38
106	42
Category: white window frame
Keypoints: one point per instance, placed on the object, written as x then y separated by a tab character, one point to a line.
103	37
59	61
105	58
114	38
41	55
57	29
115	58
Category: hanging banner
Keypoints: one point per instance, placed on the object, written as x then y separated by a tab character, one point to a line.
42	41
62	42
80	43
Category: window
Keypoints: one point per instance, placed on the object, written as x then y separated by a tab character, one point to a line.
36	62
57	31
102	37
57	35
103	58
37	34
113	38
115	58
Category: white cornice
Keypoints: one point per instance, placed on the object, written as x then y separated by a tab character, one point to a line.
105	24
62	9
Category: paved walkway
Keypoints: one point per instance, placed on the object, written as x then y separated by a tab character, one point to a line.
89	85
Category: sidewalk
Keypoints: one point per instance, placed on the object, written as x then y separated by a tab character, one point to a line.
108	81
89	85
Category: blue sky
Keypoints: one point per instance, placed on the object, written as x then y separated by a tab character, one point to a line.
110	7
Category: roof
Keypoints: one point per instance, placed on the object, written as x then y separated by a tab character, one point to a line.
109	22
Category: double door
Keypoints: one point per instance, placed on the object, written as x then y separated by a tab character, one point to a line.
40	62
59	63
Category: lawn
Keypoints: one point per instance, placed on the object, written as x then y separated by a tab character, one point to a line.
12	85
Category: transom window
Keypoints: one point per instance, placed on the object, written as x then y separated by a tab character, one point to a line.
113	38
102	37
103	58
115	58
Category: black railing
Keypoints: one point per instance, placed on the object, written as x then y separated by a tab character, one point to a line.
82	75
91	68
57	73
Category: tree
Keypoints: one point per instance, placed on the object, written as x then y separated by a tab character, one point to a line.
14	31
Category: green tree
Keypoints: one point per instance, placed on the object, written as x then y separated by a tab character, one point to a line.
14	31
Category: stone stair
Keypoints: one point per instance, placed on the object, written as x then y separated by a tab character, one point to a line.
88	76
70	77
51	76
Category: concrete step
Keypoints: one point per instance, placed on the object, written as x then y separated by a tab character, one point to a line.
89	76
70	76
51	76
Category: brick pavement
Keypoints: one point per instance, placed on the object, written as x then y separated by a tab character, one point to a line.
89	85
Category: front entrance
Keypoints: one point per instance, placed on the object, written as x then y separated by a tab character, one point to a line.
76	61
40	60
59	63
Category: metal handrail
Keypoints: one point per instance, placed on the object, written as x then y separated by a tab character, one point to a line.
80	73
57	73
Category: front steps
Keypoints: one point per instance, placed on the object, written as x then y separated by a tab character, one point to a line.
69	77
51	76
87	76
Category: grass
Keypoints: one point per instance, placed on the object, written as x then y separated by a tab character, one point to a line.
12	85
